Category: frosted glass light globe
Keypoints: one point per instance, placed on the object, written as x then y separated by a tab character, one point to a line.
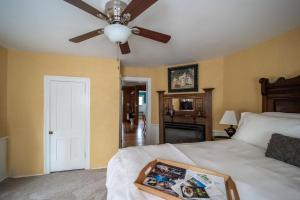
117	33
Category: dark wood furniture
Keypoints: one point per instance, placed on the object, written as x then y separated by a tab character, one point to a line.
281	96
200	115
131	102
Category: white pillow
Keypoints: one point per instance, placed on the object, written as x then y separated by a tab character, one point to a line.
257	129
283	115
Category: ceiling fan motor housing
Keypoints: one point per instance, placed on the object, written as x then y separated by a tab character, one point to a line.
114	10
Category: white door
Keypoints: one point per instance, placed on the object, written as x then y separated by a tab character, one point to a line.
68	124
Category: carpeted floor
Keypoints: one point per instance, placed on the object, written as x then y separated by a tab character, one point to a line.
71	185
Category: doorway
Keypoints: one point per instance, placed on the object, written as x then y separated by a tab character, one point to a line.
67	123
136	111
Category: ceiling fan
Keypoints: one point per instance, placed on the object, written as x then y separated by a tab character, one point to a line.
118	14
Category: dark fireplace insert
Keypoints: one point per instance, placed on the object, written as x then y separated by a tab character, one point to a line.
183	133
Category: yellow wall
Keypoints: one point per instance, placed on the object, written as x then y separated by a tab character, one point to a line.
25	104
210	75
235	77
272	59
3	71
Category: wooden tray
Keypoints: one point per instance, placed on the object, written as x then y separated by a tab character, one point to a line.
232	193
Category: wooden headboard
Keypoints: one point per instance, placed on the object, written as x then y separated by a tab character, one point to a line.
281	96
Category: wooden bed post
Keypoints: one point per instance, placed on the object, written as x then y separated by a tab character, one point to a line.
283	95
264	82
161	115
208	114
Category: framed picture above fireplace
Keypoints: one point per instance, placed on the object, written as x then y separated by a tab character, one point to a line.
183	79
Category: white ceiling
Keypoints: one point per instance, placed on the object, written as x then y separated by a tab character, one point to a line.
200	29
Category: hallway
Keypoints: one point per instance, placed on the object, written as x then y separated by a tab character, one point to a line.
132	135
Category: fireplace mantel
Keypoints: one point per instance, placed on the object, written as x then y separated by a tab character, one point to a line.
198	111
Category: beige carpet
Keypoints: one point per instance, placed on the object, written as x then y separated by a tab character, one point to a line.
72	185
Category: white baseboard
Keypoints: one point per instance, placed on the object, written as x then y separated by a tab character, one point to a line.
3	158
152	135
3	178
33	175
25	176
95	168
219	133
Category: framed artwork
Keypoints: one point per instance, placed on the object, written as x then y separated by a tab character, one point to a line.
183	79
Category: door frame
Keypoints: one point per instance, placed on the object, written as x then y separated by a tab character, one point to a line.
47	80
149	92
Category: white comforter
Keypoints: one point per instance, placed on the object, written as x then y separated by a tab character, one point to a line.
256	177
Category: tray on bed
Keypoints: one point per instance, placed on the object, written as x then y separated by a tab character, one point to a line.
160	169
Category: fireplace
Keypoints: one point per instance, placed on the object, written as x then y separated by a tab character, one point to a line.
185	118
183	133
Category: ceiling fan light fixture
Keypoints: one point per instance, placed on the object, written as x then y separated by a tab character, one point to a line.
118	13
117	33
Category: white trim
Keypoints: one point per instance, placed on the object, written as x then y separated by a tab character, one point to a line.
95	168
47	80
120	104
34	175
219	133
2	179
4	138
25	176
154	134
3	158
148	82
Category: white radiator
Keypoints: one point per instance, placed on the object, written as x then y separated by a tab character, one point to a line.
3	158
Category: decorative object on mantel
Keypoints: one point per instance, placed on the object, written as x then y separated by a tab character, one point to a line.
185	117
183	78
229	118
171	111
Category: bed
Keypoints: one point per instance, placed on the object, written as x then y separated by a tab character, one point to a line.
256	176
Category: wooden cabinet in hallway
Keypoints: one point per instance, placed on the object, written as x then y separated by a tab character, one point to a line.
131	103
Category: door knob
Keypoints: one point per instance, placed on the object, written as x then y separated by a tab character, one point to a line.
51	132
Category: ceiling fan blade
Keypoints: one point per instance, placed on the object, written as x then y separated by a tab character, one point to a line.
160	37
87	36
125	48
87	8
136	7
